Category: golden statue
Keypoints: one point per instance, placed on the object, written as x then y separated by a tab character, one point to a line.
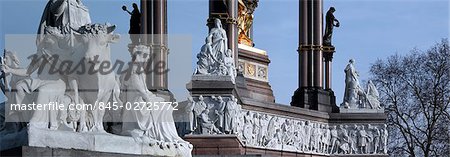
245	20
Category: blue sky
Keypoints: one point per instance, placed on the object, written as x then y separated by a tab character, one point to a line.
370	29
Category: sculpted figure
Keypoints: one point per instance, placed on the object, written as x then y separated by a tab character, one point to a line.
344	139
135	23
334	140
353	134
373	96
220	113
331	22
8	83
192	123
262	135
215	58
248	128
205	58
231	111
208	126
384	138
362	140
288	132
353	91
229	64
138	122
315	133
219	41
327	139
308	134
245	20
376	139
66	15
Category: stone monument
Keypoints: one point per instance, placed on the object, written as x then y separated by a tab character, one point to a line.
65	36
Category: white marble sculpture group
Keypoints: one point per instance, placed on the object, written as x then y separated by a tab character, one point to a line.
355	97
66	36
263	130
215	58
212	115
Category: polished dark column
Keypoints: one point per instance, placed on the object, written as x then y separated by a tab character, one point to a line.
159	46
317	43
146	31
310	93
303	41
328	52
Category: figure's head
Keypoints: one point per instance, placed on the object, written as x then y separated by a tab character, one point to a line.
229	53
351	61
135	6
220	98
200	98
140	54
218	23
332	9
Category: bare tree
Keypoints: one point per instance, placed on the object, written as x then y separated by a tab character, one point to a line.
415	89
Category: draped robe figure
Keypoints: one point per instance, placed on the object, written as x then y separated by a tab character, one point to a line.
352	88
219	41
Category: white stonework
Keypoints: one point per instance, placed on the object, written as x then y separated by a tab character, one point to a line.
276	132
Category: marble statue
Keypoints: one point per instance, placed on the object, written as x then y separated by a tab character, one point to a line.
362	140
12	134
334	140
135	23
372	96
66	15
352	88
343	139
205	58
192	120
219	41
356	99
137	91
66	35
376	139
208	126
384	138
220	113
215	58
264	130
330	22
353	134
231	109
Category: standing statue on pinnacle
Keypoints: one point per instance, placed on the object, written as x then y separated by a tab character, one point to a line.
330	24
135	23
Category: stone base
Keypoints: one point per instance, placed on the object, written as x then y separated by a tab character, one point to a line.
99	142
360	110
59	152
230	145
315	99
215	144
207	85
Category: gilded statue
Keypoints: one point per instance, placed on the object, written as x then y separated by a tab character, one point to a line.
245	20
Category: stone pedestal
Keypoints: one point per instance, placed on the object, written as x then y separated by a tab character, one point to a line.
98	142
315	99
208	85
253	64
215	144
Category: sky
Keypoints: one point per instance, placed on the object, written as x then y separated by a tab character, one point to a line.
370	30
